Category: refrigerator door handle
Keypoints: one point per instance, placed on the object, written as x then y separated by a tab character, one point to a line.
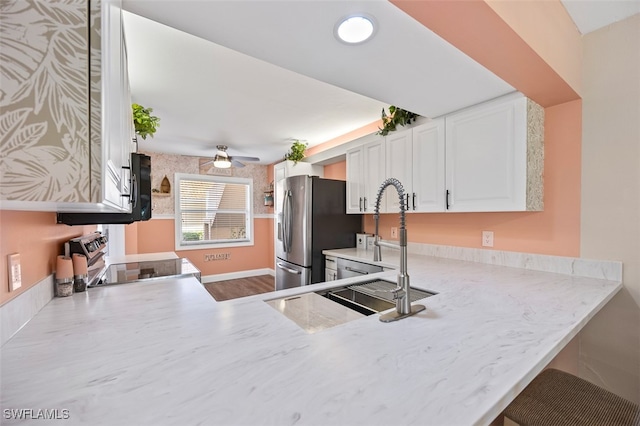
289	270
284	222
288	219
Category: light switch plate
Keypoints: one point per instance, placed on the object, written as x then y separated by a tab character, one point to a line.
15	275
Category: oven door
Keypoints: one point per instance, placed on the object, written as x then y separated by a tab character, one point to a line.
289	275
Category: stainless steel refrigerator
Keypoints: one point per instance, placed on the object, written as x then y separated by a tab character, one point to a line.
311	218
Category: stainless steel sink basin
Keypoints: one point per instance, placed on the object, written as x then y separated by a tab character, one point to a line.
369	297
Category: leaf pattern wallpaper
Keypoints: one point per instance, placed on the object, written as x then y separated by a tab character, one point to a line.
44	100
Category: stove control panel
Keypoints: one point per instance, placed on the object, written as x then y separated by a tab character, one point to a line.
90	245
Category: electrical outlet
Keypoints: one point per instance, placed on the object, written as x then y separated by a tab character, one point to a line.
394	232
487	238
15	275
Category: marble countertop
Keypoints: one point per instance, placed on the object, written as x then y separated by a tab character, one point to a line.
165	352
390	257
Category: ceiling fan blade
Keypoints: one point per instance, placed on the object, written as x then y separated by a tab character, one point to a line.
206	163
236	163
239	157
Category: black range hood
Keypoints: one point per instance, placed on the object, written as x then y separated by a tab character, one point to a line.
140	199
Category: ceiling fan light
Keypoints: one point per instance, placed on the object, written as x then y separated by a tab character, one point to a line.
221	161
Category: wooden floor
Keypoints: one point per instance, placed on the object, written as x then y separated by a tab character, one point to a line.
241	287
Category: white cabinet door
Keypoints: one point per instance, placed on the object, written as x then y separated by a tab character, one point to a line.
79	130
416	157
355	180
116	109
487	157
365	174
330	275
399	153
428	171
374	174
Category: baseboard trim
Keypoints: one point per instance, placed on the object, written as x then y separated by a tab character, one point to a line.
236	275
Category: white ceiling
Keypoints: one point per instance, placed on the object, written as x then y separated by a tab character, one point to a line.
591	15
255	74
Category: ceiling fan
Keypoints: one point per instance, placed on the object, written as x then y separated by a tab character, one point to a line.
222	160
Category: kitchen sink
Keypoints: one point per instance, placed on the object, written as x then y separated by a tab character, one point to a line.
317	311
370	297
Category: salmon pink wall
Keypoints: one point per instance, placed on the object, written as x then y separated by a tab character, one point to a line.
559	44
38	239
131	238
337	171
554	231
157	235
511	43
271	252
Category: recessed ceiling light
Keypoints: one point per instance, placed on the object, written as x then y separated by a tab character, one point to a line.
355	29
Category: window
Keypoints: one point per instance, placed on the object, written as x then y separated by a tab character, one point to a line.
213	211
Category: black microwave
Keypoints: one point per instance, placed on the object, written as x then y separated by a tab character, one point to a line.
140	199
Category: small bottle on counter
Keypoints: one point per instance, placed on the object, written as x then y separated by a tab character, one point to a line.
80	274
64	276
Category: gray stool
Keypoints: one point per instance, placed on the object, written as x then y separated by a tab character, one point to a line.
556	398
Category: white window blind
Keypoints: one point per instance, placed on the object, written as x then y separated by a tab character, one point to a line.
213	211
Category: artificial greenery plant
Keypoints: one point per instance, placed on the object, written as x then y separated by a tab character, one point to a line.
296	153
396	117
145	123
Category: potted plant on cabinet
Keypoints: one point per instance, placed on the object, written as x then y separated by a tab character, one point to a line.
397	117
145	124
296	153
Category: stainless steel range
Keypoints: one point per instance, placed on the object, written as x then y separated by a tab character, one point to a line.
94	247
122	273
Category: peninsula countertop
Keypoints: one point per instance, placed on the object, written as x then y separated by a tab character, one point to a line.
165	352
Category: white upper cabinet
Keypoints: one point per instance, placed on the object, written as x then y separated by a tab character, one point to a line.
66	110
365	174
485	158
116	118
374	174
429	167
416	158
494	156
399	157
355	180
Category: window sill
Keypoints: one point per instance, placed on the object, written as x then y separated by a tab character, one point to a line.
209	246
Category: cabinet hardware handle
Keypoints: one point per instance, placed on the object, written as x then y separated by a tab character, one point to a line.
365	204
134	191
407	201
447	198
358	271
330	260
132	196
360	203
414	201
